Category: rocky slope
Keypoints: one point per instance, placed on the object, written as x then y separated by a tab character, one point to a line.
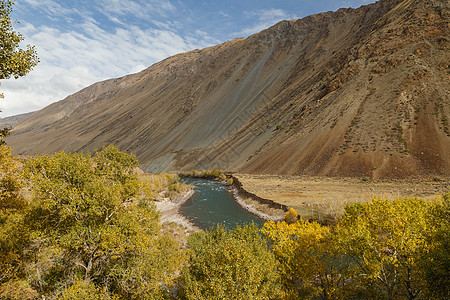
356	92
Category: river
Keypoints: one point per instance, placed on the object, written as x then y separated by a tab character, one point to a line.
212	204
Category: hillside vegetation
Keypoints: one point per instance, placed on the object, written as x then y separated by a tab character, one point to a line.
81	226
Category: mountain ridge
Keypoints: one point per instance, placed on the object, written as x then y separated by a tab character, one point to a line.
356	92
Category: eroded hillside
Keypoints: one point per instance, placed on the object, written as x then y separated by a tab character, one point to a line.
357	92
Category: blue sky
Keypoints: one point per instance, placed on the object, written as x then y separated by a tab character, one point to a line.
85	41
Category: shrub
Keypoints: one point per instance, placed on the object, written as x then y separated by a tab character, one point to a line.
230	265
291	216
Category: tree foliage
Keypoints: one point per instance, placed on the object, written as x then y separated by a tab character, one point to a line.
291	216
387	241
227	264
14	61
436	263
85	290
82	226
310	260
12	210
11	182
93	221
381	249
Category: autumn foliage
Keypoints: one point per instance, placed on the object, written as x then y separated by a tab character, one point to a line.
84	226
291	216
380	249
226	264
90	225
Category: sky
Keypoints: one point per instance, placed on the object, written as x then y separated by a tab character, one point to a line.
80	42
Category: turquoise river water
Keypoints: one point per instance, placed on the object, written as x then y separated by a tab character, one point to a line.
212	204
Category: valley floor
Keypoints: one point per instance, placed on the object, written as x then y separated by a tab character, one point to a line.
324	198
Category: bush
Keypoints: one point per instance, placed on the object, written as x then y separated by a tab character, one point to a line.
82	290
291	216
230	265
14	237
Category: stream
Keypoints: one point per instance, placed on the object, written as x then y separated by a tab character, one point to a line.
212	204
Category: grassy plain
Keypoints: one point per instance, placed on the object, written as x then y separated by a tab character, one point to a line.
323	199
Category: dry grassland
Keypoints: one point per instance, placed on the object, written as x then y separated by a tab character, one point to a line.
324	198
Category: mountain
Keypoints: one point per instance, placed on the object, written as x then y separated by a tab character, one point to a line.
10	121
356	92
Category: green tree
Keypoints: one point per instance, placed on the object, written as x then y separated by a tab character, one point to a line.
14	61
228	264
93	220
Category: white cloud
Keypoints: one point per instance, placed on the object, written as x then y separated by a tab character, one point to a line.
138	9
51	7
266	18
224	14
71	60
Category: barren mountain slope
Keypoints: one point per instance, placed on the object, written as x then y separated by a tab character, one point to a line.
11	121
360	92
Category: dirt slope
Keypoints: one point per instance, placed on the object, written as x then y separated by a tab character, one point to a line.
11	121
357	92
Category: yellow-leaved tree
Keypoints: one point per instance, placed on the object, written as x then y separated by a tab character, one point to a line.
14	62
291	216
386	240
230	264
93	221
436	262
310	259
13	237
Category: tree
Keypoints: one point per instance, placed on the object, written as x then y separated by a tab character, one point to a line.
228	264
93	220
436	263
387	242
311	262
14	61
11	182
13	237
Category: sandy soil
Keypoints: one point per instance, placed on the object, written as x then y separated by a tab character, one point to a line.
325	197
170	211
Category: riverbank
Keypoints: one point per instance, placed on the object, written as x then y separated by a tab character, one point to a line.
324	199
170	211
256	208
